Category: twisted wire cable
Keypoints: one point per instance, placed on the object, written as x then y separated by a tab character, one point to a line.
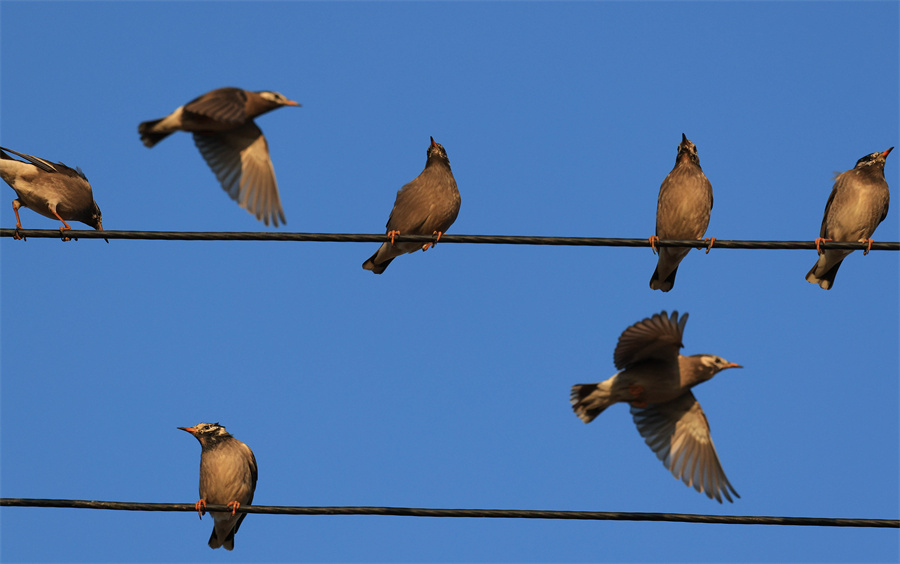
452	239
468	513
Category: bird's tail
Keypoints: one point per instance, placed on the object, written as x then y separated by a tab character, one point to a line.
822	273
376	268
149	136
223	533
664	285
666	268
589	400
214	541
385	254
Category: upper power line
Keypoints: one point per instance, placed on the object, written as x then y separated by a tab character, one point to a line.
470	513
447	238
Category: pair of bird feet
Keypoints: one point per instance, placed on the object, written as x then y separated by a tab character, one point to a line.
19	236
393	234
62	234
869	241
655	239
819	240
201	507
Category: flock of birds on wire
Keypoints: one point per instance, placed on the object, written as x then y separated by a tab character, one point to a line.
653	378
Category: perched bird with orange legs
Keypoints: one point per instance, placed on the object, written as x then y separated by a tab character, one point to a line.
227	477
427	205
51	189
231	144
682	212
857	205
656	381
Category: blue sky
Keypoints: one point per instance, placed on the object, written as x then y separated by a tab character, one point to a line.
444	382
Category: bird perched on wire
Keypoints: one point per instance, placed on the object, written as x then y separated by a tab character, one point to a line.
682	212
227	477
656	380
427	205
231	143
857	205
51	189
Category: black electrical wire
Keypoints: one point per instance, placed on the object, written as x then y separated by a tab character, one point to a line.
471	239
470	513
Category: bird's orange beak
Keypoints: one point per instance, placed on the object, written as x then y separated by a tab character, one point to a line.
886	153
433	144
100	228
190	430
292	103
733	365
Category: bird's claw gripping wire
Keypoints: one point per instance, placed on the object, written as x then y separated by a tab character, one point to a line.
392	234
869	247
433	243
819	241
201	508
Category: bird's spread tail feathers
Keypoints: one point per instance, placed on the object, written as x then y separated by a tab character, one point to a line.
589	400
150	137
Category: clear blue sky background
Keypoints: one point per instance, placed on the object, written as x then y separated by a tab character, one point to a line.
445	381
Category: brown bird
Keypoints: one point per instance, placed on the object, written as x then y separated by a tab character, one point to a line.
682	212
227	477
51	189
656	380
857	205
231	143
427	205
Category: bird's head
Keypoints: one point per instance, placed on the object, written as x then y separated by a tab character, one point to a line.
96	219
716	363
208	434
436	152
875	159
687	151
276	99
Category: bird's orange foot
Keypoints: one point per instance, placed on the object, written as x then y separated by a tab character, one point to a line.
62	233
17	235
819	241
653	241
433	243
233	506
711	241
201	507
393	233
869	248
